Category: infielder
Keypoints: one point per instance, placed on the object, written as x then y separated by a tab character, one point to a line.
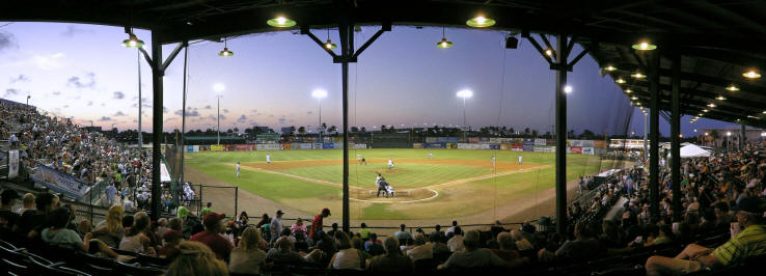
268	158
390	164
238	167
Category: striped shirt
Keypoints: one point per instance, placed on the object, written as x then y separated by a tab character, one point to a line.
749	242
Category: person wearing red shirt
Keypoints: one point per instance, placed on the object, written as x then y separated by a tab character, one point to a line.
211	237
316	224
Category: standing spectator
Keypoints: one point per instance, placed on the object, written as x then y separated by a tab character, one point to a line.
276	226
196	259
364	233
393	261
451	230
438	232
205	210
298	229
455	243
211	237
317	223
111	191
247	257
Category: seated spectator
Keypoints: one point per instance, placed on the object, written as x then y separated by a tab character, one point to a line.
393	261
172	240
422	250
27	203
247	257
333	230
402	235
135	239
110	230
298	229
748	242
364	233
451	231
455	243
211	237
373	245
283	254
326	246
507	250
57	234
196	259
32	222
473	257
498	228
347	257
8	218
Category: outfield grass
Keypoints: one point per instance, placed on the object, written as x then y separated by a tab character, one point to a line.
470	197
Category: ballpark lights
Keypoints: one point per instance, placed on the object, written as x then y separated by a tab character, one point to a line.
328	44
225	52
133	41
638	75
568	89
644	45
444	43
281	22
752	74
480	21
720	98
634	98
628	91
732	88
764	112
610	68
620	81
711	105
705	110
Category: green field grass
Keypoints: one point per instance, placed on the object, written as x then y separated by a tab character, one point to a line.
488	190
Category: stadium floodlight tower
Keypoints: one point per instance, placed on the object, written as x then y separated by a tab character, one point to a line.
219	88
320	94
465	94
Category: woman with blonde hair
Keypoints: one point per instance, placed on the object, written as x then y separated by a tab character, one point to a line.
110	230
196	259
248	257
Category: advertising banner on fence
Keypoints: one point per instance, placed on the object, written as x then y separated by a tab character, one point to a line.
434	145
575	150
588	150
59	182
13	163
528	147
216	147
539	142
473	140
360	146
505	147
268	147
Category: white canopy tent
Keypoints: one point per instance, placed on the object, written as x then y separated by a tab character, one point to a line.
692	151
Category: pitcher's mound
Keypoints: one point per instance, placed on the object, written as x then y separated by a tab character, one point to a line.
402	196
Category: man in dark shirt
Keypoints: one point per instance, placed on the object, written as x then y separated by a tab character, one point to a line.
8	218
213	226
316	224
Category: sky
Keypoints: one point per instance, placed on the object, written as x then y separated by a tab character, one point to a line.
84	73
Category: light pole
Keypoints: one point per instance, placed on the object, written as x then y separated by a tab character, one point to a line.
320	94
140	133
465	94
728	141
219	88
646	131
28	96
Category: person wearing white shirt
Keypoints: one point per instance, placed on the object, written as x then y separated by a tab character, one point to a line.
455	243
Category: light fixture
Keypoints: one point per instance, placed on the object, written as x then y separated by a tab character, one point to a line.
720	98
480	21
634	98
711	105
610	68
752	74
225	52
568	89
628	91
620	81
638	103
644	45
133	41
638	75
732	88
549	52
705	110
328	44
281	22
444	43
764	112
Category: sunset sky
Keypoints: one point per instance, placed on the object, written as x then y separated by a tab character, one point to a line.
83	72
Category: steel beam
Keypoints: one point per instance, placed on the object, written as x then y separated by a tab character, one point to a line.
157	74
561	136
675	132
654	136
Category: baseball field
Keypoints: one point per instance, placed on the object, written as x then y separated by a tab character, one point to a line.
428	184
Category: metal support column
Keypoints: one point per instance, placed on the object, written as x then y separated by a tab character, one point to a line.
561	135
181	177
675	133
742	137
157	73
236	201
654	136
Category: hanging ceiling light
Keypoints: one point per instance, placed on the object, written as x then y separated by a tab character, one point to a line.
628	91
225	52
752	74
644	45
610	68
281	22
133	41
620	81
634	98
480	21
549	52
638	75
732	88
705	110
444	43
720	98
328	44
711	105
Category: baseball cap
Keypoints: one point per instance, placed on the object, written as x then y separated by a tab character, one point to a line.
212	219
279	212
750	205
326	210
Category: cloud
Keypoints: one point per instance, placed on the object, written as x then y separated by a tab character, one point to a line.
119	114
119	95
189	113
282	121
56	93
254	111
7	41
208	107
73	30
48	62
242	119
87	81
104	119
225	110
309	112
65	106
11	92
212	117
90	103
20	78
